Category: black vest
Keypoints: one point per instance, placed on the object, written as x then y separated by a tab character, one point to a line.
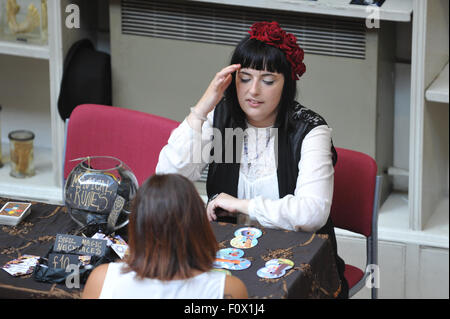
224	177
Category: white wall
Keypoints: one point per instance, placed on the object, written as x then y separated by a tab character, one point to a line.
25	98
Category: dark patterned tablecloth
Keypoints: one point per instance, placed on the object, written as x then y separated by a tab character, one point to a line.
314	274
34	235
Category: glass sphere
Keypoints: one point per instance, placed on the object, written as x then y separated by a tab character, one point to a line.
99	190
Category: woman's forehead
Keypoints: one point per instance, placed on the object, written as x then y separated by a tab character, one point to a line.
257	72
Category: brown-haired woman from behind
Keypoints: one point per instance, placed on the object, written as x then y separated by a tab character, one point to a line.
171	249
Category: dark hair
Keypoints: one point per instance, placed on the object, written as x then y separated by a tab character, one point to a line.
255	54
169	233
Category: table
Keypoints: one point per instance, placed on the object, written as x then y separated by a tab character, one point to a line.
314	274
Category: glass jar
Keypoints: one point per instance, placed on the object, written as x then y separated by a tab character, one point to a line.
22	153
99	190
25	21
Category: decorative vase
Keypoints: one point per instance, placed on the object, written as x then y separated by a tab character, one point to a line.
99	190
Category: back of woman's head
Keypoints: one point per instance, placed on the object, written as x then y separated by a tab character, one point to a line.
255	54
169	232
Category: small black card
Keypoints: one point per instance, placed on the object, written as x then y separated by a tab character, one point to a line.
56	260
79	245
225	216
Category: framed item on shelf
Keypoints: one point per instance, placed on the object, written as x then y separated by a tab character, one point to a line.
24	21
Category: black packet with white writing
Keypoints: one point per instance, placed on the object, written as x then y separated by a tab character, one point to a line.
44	272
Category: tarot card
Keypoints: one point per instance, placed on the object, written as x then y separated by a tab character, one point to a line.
13	212
121	250
104	237
23	265
117	243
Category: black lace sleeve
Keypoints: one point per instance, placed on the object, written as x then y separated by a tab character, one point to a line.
312	119
308	116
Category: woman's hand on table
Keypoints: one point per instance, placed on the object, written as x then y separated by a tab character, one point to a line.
228	203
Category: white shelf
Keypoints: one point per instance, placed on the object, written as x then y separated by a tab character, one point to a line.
394	213
45	185
40	187
438	222
391	10
25	50
393	216
393	224
438	90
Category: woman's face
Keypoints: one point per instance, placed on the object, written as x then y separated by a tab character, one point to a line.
259	93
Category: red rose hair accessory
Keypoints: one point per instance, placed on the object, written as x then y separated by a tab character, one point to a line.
272	34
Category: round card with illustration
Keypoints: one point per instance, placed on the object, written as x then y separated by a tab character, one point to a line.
248	232
230	253
232	263
275	268
243	242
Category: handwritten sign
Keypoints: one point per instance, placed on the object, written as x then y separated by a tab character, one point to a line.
93	192
79	245
64	260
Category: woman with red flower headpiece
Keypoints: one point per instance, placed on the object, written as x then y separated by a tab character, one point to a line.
270	160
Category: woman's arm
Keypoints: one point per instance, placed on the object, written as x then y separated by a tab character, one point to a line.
227	202
189	145
94	284
308	209
234	288
185	149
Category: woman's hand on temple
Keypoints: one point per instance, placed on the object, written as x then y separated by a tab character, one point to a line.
215	90
228	203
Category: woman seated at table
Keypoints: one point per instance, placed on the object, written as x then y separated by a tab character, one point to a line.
171	249
282	174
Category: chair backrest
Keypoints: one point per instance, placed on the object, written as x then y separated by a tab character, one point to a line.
134	137
354	191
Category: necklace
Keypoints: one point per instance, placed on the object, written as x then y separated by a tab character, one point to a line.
258	152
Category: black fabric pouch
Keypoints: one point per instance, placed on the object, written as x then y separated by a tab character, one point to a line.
44	273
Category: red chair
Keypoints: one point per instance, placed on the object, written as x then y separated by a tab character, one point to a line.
355	208
134	137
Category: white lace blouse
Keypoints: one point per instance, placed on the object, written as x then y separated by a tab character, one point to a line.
308	209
